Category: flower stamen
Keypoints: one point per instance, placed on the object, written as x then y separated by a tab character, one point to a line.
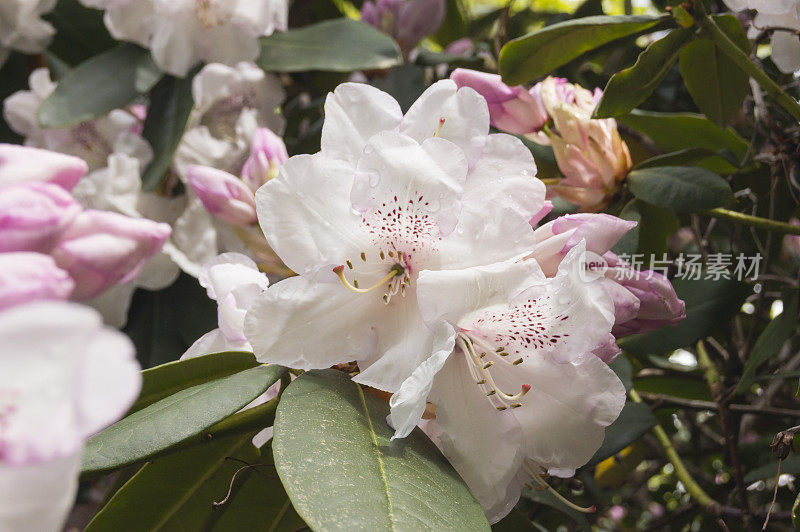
545	486
439	127
480	372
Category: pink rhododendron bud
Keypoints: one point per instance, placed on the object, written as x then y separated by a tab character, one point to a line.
461	46
658	303
512	109
101	249
554	239
590	153
34	215
27	277
267	154
223	195
408	21
20	164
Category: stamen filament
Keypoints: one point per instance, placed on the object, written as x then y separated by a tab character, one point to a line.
394	272
480	373
539	480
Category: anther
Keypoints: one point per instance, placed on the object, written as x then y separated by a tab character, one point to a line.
363	256
355	283
382	255
482	355
349	264
439	128
394	272
491	393
488	365
515	405
482	381
501	408
391	253
517	361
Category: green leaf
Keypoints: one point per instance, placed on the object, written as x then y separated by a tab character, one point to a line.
170	105
718	162
333	453
339	45
682	386
770	341
548	499
170	378
175	492
405	83
790	466
515	521
717	85
13	78
634	420
260	503
80	32
709	306
539	53
630	87
99	85
678	131
680	188
649	238
175	419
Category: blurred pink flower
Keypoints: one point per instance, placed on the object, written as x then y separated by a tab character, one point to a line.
267	154
101	249
408	21
34	215
224	195
26	277
21	164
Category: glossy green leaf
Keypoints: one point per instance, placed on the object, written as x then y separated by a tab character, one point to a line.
678	131
540	52
333	453
722	162
680	188
260	503
176	492
628	88
170	378
770	341
177	418
681	386
624	370
405	83
634	421
649	238
709	305
340	45
170	105
99	85
790	466
717	85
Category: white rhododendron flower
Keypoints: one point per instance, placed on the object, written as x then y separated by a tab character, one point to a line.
22	28
63	377
183	33
230	105
387	197
781	14
234	282
517	391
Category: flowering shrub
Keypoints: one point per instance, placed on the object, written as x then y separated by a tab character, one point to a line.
398	264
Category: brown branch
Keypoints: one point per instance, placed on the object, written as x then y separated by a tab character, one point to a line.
695	404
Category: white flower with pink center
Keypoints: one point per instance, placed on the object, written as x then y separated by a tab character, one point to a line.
387	197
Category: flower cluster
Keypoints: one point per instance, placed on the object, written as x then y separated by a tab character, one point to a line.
412	237
22	28
182	33
53	248
590	152
63	375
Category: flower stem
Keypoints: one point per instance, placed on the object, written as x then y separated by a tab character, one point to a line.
754	221
692	487
742	60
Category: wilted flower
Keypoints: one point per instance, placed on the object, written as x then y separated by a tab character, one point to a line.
387	197
234	282
33	216
101	249
225	196
517	392
63	377
408	21
22	28
26	277
183	33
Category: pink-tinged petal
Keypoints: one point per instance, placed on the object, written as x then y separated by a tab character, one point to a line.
511	109
608	350
540	215
33	216
63	377
223	195
267	154
101	249
26	277
23	164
